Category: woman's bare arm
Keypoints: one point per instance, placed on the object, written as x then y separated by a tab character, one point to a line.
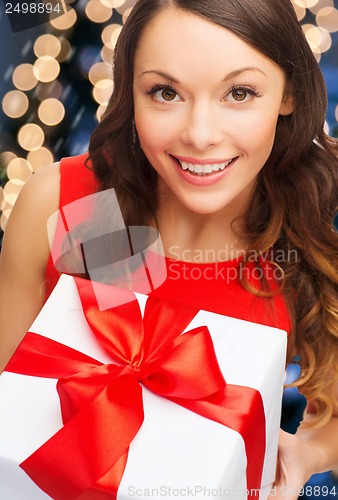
24	257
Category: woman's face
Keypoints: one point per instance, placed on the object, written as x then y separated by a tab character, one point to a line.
206	109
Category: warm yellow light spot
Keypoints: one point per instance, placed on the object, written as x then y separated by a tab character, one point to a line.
19	171
126	14
15	103
11	192
102	91
47	45
113	4
40	158
97	12
318	38
300	11
65	21
3	221
327	18
107	55
51	111
6	157
305	3
100	71
31	136
24	78
46	68
320	5
99	112
110	35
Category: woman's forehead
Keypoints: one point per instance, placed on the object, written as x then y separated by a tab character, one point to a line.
179	39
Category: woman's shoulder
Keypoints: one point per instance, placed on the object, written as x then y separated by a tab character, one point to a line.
57	184
77	178
41	190
37	201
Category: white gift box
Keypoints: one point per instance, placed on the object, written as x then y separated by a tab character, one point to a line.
176	452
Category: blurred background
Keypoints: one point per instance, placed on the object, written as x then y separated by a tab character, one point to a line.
55	81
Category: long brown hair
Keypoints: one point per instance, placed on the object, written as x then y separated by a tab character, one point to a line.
296	195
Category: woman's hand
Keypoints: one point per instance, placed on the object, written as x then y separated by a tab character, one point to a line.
296	463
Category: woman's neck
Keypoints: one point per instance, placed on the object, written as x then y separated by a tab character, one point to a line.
190	236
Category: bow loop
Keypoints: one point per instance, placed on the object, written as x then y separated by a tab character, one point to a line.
78	390
188	370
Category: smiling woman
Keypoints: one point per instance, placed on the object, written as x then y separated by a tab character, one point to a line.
214	136
219	110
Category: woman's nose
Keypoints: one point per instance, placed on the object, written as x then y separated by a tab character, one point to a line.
203	127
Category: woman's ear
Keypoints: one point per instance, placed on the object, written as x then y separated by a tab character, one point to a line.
288	104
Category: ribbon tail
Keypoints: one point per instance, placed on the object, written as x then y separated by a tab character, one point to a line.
106	488
90	444
241	409
40	356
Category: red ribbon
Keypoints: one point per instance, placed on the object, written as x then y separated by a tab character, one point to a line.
101	404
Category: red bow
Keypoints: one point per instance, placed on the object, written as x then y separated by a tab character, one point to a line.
101	404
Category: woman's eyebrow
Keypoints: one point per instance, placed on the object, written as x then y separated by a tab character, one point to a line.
160	73
231	75
237	72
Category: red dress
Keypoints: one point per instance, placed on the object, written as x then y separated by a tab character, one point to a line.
214	287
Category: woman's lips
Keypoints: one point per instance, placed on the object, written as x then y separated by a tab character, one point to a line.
203	174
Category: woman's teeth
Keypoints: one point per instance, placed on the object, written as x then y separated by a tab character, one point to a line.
204	169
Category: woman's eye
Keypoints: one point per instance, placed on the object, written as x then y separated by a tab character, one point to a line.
241	94
164	94
168	94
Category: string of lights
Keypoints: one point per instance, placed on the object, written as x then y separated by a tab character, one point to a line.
43	103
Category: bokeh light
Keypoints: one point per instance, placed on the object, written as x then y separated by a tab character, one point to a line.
103	90
113	3
327	18
19	170
6	157
305	3
51	111
100	71
31	136
47	45
65	21
107	55
318	38
320	5
15	103
39	158
300	11
110	35
24	78
97	11
11	192
46	68
99	112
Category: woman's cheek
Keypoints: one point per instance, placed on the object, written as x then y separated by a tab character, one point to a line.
156	130
257	128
